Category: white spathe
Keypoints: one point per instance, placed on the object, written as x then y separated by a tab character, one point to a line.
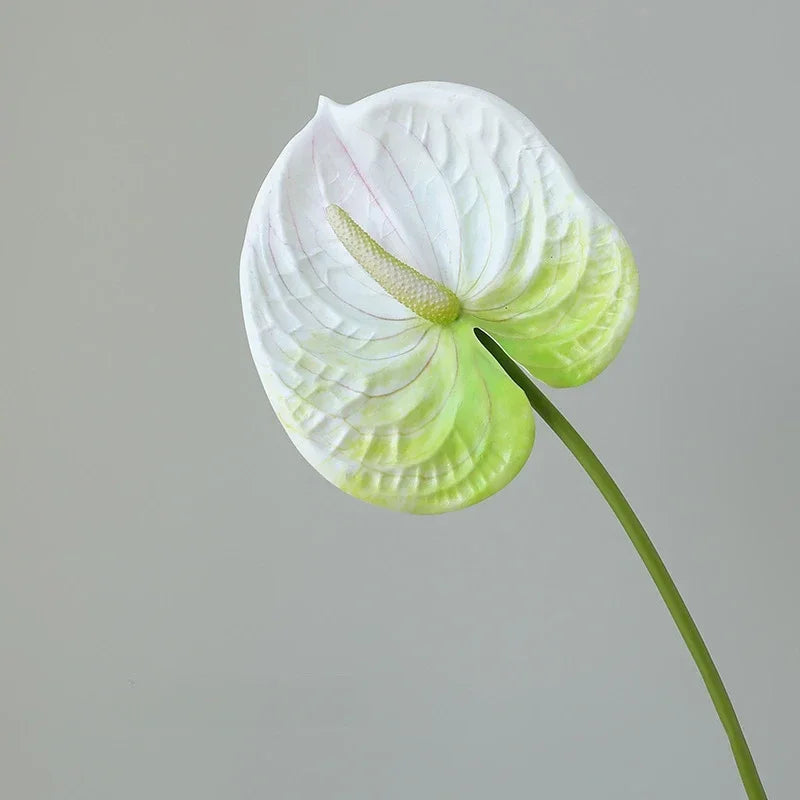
457	184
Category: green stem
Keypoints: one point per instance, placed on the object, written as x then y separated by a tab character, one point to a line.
652	561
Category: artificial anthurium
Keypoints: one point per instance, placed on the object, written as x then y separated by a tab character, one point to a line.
408	258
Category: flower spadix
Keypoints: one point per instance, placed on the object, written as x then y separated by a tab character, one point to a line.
384	235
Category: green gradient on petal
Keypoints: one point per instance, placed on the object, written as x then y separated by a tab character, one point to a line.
573	333
476	442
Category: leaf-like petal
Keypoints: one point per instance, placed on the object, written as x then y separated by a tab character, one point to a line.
454	182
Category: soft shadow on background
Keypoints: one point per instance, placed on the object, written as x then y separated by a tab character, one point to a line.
189	611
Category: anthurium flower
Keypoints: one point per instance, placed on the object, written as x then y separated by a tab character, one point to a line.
386	233
407	258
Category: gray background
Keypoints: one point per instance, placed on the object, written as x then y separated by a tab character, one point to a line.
188	611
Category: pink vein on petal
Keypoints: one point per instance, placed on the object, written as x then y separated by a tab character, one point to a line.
360	175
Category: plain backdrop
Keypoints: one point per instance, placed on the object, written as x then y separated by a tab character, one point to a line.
187	610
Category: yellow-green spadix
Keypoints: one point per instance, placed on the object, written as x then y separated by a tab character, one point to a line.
387	232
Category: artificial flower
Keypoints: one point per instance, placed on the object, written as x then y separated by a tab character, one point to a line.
385	234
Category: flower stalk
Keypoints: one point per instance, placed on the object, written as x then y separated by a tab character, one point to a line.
651	559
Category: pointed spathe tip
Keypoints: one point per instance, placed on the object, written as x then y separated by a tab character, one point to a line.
324	104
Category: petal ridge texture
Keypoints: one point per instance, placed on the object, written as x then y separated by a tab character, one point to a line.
387	232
